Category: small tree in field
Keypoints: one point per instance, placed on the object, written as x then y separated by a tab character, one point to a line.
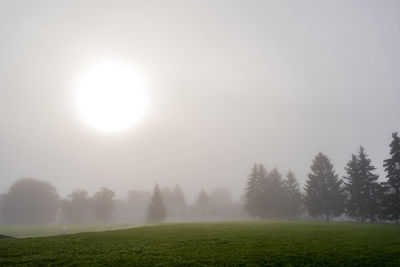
156	211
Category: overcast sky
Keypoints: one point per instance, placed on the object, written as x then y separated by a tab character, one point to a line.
231	83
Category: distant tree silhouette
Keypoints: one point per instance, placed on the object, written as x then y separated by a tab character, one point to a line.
178	197
273	197
392	168
156	210
202	199
173	199
294	197
102	202
253	198
30	201
362	189
76	206
268	196
324	194
136	205
167	196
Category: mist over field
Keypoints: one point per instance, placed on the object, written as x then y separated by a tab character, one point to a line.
230	83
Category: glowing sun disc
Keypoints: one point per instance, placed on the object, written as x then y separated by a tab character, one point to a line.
111	96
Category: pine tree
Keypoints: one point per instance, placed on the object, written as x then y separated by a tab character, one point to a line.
324	194
202	199
362	188
253	203
392	168
156	211
178	197
273	196
353	185
293	194
371	186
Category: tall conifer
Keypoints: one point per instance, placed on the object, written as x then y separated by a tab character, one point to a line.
392	168
324	194
156	211
362	188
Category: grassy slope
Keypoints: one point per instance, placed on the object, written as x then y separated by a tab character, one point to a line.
215	244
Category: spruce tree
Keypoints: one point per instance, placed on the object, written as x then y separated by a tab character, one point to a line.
178	197
253	203
392	168
353	185
293	194
156	211
362	188
202	199
371	186
273	196
324	194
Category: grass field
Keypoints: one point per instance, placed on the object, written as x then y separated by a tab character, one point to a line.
229	244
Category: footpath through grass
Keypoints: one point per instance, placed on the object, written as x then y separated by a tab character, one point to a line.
229	244
56	229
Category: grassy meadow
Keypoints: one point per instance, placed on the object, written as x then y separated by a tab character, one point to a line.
229	244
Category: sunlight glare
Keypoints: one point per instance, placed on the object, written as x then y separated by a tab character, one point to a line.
111	96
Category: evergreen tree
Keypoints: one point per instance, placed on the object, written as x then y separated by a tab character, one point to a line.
254	191
353	185
268	196
362	188
273	196
294	197
324	194
178	197
202	199
392	168
156	211
371	186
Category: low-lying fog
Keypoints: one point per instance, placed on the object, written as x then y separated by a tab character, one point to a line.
228	84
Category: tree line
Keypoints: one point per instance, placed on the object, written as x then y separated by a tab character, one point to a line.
359	194
268	195
31	201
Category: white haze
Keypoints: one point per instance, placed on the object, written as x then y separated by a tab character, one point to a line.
231	83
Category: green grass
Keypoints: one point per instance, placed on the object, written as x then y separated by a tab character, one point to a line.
229	244
51	230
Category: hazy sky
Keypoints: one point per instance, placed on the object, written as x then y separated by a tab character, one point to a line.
231	83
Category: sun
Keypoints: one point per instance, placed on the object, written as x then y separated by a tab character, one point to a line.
111	96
